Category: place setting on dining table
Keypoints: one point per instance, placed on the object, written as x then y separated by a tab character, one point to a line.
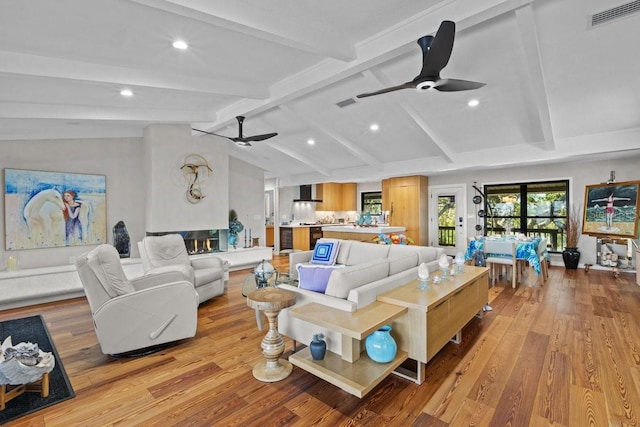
526	250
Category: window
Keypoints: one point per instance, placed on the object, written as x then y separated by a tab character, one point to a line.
372	202
536	209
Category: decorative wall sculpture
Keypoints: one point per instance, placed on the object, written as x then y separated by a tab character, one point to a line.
193	169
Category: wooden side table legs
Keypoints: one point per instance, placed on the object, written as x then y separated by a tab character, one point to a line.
272	368
41	386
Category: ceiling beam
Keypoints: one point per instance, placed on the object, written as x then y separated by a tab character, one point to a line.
348	145
283	31
529	38
382	81
21	110
41	66
391	43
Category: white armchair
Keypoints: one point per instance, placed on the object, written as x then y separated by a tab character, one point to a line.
132	315
169	253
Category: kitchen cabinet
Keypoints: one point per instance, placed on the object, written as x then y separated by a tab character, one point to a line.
337	196
269	234
407	200
298	237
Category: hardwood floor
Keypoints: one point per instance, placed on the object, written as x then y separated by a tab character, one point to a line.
566	356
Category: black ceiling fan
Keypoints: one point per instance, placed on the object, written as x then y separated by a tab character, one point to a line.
244	141
436	52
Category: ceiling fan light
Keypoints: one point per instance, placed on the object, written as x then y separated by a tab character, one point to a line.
374	127
428	84
473	103
310	141
126	93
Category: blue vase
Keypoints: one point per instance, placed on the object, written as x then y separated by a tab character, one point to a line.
232	240
380	345
318	347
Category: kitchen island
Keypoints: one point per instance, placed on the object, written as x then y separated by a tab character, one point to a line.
359	233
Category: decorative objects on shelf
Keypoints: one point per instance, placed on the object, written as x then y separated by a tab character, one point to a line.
393	239
235	227
423	275
23	363
459	260
121	239
318	347
380	345
263	273
443	263
193	165
571	254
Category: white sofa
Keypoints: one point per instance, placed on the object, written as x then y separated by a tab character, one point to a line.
367	270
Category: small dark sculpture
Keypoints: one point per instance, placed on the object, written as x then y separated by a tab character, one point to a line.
121	240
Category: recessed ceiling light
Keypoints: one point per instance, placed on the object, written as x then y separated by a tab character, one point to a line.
179	44
473	103
374	127
126	92
310	141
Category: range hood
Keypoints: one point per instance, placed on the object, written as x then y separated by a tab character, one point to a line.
305	195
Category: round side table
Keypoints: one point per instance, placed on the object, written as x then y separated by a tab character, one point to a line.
271	301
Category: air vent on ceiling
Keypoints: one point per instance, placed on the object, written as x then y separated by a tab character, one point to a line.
346	102
615	13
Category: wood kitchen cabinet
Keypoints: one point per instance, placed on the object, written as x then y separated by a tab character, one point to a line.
295	238
407	200
337	196
269	235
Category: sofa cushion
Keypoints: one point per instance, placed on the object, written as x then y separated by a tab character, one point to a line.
344	279
325	252
314	277
402	263
362	252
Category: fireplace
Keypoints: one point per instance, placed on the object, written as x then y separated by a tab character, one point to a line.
201	241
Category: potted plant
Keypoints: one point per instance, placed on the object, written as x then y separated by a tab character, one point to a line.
571	254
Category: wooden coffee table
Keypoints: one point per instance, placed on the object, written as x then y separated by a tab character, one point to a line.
271	301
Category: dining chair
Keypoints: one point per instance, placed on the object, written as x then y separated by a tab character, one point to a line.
542	257
501	253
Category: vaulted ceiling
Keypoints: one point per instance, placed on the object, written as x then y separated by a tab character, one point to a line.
558	87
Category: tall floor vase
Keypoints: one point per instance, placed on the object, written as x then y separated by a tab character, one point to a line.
571	257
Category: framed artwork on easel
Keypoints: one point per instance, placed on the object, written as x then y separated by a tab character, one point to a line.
611	209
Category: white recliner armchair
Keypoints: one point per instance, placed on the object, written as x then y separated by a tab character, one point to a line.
169	253
132	315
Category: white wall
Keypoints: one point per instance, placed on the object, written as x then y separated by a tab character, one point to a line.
580	174
166	149
246	197
120	159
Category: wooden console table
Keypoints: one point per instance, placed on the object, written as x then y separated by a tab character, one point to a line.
353	371
436	315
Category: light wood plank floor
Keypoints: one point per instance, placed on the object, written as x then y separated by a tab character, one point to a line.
568	356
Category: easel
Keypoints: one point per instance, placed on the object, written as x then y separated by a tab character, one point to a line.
41	386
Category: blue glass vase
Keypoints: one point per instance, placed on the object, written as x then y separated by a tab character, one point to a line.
232	240
318	347
380	345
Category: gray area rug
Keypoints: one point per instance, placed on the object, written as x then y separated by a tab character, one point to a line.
34	329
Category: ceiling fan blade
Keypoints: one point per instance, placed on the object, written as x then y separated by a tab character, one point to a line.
210	133
407	85
436	51
255	137
455	85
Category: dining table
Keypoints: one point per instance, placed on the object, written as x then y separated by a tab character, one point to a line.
526	249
